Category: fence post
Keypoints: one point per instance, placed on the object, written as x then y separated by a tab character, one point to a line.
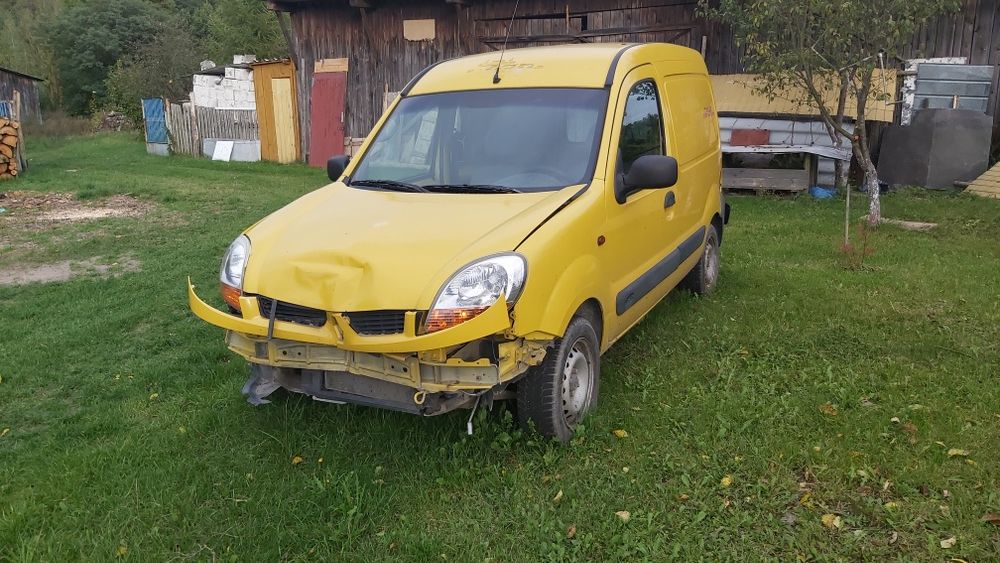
195	133
171	148
22	150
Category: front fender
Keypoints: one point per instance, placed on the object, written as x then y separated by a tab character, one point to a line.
551	313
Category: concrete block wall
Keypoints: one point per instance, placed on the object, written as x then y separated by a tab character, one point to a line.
233	90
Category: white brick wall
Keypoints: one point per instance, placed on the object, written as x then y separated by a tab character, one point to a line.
234	90
237	73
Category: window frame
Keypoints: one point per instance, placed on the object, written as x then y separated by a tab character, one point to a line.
664	149
603	108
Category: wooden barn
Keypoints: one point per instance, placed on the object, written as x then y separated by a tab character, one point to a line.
26	88
356	54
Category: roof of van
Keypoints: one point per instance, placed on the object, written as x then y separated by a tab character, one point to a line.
591	65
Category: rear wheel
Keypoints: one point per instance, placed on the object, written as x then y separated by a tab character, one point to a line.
705	275
556	395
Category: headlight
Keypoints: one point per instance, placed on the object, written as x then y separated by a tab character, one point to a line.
234	263
477	287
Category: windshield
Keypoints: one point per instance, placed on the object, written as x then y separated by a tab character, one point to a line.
520	139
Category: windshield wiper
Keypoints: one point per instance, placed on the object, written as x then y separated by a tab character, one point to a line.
472	189
391	185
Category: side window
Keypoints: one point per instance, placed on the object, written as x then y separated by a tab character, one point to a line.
642	127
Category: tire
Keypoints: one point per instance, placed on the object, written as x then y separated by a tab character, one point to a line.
702	279
556	395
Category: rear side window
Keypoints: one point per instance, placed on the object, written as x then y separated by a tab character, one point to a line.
642	127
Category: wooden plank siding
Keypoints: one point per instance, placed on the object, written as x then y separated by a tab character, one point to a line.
382	60
974	33
181	129
263	75
987	185
31	110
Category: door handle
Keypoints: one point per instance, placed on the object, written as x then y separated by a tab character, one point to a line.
669	200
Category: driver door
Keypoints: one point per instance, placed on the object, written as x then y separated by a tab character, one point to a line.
639	230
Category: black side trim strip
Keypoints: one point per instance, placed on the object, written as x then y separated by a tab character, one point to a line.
655	275
610	78
413	81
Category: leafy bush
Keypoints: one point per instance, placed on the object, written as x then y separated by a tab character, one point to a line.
235	27
160	68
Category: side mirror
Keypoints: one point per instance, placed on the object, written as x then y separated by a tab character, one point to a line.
336	165
649	172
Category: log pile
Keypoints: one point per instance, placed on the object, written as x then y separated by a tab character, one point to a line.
11	153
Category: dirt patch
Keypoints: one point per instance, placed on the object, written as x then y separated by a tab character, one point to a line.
42	208
66	270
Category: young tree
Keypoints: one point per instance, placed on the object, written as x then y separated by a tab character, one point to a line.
816	46
89	38
23	46
237	27
160	68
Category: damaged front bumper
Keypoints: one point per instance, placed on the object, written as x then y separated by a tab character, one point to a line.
341	387
435	372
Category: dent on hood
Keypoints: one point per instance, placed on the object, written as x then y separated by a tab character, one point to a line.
347	249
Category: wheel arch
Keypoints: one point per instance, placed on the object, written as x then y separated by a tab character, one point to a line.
591	310
719	225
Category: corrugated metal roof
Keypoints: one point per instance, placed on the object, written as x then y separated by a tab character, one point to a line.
787	135
21	74
828	152
281	60
734	94
987	185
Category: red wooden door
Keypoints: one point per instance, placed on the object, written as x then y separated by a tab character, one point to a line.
326	137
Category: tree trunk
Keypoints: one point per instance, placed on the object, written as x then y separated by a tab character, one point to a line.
862	152
871	184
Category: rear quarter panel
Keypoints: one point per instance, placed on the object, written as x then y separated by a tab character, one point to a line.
695	142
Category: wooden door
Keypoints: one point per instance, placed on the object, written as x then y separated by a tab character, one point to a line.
284	118
329	92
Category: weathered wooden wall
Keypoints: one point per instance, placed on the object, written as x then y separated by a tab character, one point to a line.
182	129
231	124
973	33
30	104
381	59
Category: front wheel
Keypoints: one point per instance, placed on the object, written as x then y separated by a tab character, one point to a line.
555	395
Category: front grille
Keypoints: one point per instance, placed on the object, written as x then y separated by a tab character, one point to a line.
291	313
377	322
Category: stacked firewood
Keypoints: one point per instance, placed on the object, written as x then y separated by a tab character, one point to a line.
11	156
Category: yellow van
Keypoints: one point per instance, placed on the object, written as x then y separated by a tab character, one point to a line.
500	229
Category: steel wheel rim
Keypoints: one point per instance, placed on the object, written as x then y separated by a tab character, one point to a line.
711	263
577	380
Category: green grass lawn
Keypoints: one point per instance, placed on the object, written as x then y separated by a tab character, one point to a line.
800	389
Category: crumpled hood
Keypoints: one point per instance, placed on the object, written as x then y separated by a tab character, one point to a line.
345	249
